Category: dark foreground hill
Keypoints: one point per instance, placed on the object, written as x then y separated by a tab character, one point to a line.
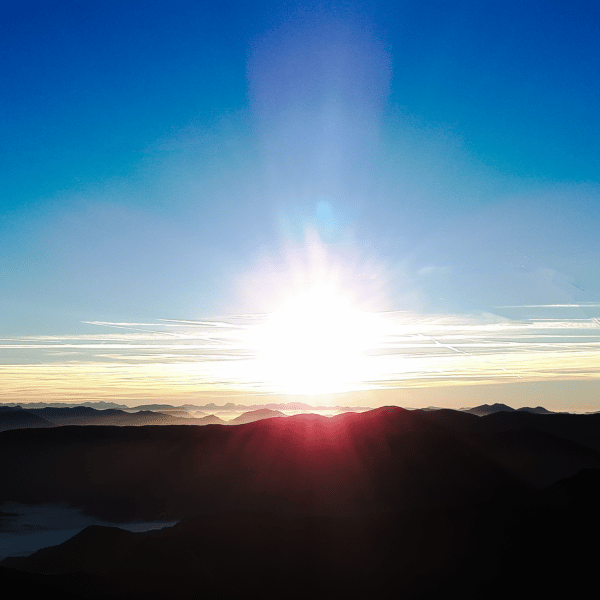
538	546
379	460
386	503
354	463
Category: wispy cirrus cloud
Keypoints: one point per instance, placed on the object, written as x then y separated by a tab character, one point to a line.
184	359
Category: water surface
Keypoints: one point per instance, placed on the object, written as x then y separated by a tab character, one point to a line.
24	529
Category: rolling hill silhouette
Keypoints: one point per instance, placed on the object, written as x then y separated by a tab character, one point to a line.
353	463
256	415
20	418
387	502
479	550
85	415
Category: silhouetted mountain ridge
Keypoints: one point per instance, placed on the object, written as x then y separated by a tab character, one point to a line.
487	409
382	503
352	463
256	415
540	410
83	415
19	418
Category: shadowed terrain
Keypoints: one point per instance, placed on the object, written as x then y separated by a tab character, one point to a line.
538	545
389	501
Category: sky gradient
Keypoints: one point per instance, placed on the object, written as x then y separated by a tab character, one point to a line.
173	173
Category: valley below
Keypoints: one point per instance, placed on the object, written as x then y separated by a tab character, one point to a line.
382	503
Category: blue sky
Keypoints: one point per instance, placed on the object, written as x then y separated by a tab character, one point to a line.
188	161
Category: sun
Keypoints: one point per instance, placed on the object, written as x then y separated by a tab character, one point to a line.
316	343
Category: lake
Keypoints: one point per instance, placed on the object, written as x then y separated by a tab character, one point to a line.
24	529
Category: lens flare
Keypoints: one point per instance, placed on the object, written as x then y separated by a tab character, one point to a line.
315	343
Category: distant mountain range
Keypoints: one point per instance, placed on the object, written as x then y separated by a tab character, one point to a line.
53	416
211	406
103	413
256	415
488	409
19	418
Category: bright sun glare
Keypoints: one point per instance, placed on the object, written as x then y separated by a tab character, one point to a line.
316	343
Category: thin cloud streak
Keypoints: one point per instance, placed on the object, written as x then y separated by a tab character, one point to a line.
202	357
578	305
